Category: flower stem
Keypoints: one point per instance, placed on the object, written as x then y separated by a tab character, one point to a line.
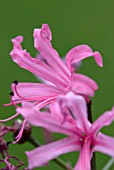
109	165
58	161
93	161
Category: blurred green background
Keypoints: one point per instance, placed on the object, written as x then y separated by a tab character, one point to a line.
73	22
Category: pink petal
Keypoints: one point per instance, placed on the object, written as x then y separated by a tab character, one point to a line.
34	92
43	119
43	154
104	120
104	144
77	105
84	158
38	77
24	60
43	45
67	120
79	53
83	85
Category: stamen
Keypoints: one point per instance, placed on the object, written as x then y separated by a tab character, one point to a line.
18	137
11	93
15	82
18	92
5	120
13	103
44	103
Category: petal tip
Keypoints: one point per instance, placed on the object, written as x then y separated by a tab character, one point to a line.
18	39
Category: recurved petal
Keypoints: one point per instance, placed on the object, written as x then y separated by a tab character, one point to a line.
104	120
36	66
104	144
43	154
43	45
79	53
83	85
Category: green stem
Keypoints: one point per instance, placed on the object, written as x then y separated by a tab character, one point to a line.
58	161
109	165
93	160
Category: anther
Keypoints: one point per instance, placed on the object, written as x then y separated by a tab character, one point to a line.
15	82
11	93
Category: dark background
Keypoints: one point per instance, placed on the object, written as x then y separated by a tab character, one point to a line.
73	22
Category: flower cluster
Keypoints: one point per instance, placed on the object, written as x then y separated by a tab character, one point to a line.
66	93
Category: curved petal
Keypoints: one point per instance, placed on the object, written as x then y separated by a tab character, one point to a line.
43	154
83	85
79	53
104	144
104	120
38	77
33	92
77	106
43	45
24	60
43	119
84	158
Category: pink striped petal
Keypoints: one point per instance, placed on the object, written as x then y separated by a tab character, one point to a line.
24	60
38	77
104	120
104	144
34	92
43	154
43	45
79	53
67	120
83	85
84	158
78	108
43	119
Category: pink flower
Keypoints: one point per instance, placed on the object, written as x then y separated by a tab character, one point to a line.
62	76
82	135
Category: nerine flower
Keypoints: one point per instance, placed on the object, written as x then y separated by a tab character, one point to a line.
82	135
62	76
